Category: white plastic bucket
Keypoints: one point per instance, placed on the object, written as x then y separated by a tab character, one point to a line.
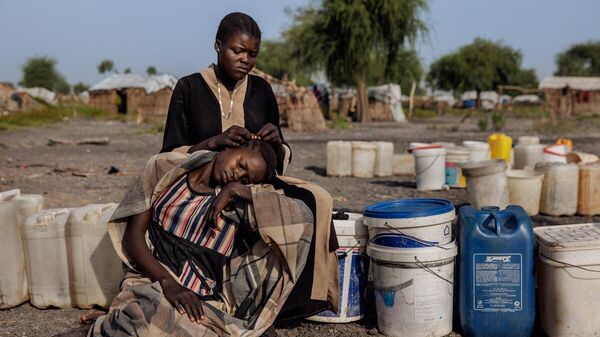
14	208
568	274
353	265
404	164
339	158
486	183
430	167
96	270
46	256
556	153
525	189
363	159
413	289
527	155
413	223
480	151
384	164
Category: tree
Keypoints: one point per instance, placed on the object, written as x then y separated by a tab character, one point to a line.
275	58
407	70
481	65
581	59
40	71
80	87
349	38
151	70
106	66
127	71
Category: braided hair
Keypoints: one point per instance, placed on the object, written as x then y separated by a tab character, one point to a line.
268	154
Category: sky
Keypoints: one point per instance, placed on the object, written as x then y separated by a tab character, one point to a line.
177	36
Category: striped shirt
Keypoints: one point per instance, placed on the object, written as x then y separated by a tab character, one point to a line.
181	211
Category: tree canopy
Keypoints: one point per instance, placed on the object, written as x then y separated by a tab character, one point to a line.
80	87
582	59
349	39
481	65
106	66
276	59
40	71
151	70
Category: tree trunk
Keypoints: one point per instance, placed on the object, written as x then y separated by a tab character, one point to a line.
478	99
363	102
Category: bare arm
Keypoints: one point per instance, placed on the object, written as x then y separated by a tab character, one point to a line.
134	245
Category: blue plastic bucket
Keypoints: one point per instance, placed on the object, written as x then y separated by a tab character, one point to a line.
410	223
353	264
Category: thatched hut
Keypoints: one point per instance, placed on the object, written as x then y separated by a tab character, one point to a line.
132	93
569	96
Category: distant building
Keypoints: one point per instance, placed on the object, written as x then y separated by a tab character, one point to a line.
569	96
132	93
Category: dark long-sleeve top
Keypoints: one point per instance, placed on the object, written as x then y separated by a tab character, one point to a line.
194	114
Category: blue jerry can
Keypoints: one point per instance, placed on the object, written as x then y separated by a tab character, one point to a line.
497	285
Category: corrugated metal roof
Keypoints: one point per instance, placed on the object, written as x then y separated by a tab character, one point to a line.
150	84
577	83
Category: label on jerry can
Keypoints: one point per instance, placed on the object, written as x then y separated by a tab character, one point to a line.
497	282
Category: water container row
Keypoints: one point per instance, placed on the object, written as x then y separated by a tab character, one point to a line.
57	257
360	159
553	188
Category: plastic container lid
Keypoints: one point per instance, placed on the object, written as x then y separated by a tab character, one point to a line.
577	244
409	208
433	150
484	168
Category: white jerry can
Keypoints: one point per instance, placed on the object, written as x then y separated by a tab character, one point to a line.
96	270
14	208
46	257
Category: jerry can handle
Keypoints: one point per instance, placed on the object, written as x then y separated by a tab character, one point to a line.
492	216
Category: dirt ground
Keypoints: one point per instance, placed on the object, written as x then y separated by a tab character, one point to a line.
75	175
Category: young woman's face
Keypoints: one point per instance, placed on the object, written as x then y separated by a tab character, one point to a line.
238	54
242	164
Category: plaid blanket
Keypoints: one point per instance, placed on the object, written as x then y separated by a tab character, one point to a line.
256	284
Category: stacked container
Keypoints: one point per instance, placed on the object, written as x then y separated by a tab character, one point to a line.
46	257
339	158
413	254
568	272
14	209
589	189
353	264
363	159
559	189
96	270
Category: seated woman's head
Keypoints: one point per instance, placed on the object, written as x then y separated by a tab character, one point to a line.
252	163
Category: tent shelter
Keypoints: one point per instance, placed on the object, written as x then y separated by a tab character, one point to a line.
132	93
569	96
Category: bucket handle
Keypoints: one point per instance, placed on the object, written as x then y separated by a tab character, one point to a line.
430	165
570	265
345	254
423	241
429	270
